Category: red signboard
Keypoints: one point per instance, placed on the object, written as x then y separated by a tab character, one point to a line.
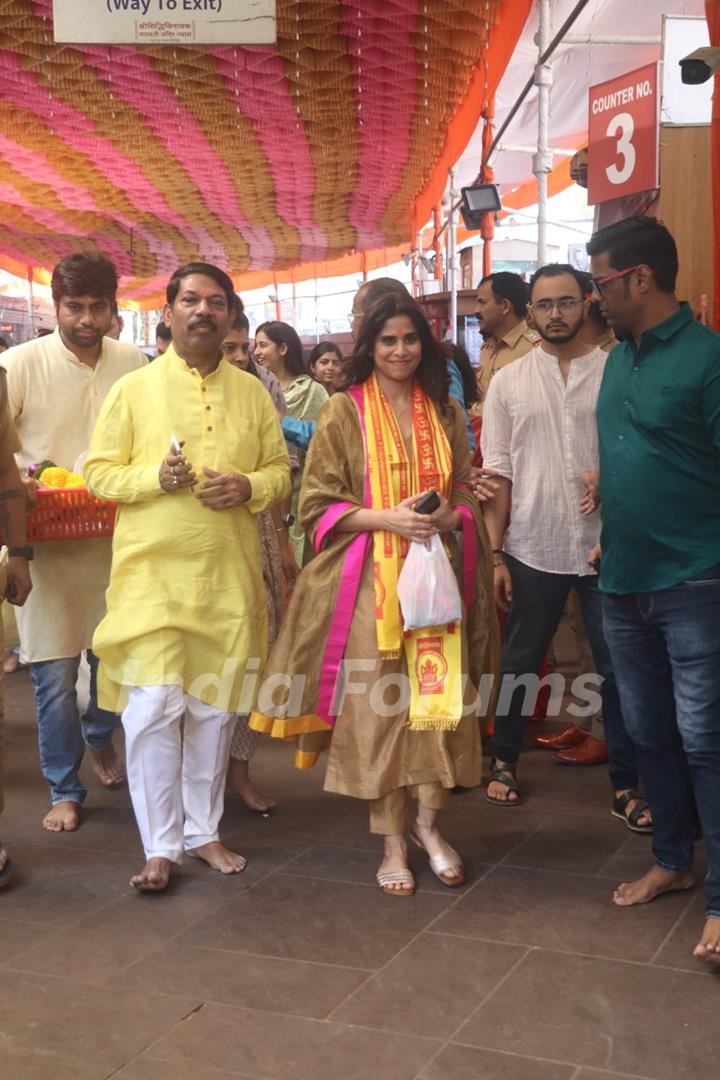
623	135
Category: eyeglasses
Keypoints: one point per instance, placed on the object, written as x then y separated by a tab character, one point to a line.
565	303
599	283
353	316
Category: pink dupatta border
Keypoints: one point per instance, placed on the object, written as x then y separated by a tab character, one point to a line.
327	523
349	586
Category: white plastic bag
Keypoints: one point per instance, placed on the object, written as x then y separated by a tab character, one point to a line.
427	587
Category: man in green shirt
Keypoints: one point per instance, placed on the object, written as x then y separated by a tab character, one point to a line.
659	427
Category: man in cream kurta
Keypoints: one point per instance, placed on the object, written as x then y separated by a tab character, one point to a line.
186	606
56	386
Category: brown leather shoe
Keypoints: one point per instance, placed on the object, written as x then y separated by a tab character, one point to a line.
590	751
569	736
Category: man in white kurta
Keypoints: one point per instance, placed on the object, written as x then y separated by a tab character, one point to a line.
540	434
186	607
56	386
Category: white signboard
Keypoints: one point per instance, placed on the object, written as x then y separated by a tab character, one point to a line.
683	104
165	22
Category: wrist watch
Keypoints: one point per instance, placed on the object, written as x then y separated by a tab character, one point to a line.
288	519
25	552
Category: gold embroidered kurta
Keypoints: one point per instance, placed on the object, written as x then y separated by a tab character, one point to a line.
371	755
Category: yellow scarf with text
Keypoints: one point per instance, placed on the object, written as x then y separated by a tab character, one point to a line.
433	655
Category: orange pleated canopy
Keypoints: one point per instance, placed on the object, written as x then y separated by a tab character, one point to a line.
317	156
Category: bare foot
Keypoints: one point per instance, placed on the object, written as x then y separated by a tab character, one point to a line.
239	781
654	883
11	663
64	817
218	857
708	948
108	765
153	877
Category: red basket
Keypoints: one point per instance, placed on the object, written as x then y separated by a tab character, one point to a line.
69	514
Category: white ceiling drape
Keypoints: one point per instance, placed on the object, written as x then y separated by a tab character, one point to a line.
576	68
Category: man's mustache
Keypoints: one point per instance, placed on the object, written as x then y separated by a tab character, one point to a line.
202	322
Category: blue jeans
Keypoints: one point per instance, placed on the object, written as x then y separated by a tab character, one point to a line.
538	602
62	734
665	648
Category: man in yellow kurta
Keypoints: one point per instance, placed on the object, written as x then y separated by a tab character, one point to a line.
186	605
56	386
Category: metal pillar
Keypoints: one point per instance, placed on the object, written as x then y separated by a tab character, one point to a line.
419	275
317	314
437	222
543	159
30	302
452	259
612	39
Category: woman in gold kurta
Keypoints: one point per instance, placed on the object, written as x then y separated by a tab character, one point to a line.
346	662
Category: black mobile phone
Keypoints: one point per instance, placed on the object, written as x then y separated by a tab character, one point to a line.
428	504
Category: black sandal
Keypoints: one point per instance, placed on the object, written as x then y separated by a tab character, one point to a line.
620	805
505	775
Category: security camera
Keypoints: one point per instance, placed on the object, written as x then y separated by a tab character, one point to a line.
700	65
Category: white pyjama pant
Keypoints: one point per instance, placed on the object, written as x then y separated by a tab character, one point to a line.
177	781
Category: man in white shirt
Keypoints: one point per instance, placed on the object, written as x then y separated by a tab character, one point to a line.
56	385
539	433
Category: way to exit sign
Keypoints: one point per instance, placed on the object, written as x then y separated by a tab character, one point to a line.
623	129
169	22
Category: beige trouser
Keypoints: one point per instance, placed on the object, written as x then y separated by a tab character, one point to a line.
387	814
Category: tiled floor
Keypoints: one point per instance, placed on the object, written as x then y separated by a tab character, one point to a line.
300	969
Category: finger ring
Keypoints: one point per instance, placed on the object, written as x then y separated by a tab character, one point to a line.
175	480
173	469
